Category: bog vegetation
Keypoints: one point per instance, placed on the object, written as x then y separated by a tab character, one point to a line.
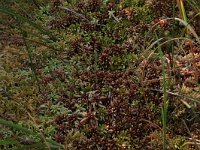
99	74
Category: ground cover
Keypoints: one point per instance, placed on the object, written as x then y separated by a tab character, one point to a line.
100	74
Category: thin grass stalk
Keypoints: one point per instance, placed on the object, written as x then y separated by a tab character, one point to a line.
39	36
31	62
189	27
178	95
164	108
15	126
24	19
172	46
29	132
29	40
182	11
194	5
143	55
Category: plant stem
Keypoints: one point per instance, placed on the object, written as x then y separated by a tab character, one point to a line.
31	62
182	11
164	109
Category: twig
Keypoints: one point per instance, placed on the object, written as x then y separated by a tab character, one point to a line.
77	14
111	14
178	95
152	124
192	137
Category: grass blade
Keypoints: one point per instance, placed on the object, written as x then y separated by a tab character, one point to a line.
164	109
23	19
10	124
14	126
8	142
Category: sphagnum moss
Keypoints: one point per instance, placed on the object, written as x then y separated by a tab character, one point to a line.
102	82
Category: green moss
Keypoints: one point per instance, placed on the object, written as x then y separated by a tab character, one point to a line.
142	11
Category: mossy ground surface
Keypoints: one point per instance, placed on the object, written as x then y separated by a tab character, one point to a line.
82	73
